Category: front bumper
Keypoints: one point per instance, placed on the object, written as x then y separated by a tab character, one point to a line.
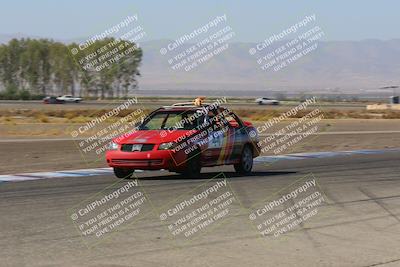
145	160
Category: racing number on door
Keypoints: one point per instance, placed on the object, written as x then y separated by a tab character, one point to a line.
216	139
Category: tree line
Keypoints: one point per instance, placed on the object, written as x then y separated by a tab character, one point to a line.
39	67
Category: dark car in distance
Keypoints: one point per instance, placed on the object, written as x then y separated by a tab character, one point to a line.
52	100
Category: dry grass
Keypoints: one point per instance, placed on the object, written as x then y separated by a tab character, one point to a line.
79	119
42	117
8	120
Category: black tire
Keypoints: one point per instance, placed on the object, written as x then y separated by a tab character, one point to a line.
260	102
77	101
193	165
123	173
246	161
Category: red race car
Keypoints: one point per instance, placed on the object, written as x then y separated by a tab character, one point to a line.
183	138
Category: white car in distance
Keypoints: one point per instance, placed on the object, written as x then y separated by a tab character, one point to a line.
69	98
266	101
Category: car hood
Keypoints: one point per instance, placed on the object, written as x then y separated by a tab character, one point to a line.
152	136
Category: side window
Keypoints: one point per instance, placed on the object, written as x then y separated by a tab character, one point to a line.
216	119
192	120
172	121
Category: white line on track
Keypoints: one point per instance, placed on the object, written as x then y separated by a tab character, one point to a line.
328	154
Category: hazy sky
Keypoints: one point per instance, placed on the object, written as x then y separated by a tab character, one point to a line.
252	20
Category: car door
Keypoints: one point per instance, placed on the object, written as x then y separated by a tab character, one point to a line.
237	136
215	140
222	136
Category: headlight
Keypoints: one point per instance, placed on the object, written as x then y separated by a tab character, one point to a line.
112	146
165	146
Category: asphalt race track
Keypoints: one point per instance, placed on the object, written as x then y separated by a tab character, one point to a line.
357	225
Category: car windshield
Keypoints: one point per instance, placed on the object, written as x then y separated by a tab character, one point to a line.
173	120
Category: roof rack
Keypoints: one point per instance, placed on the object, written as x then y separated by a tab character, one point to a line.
183	104
190	104
198	102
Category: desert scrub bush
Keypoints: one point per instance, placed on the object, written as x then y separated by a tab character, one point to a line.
8	119
70	115
43	119
39	116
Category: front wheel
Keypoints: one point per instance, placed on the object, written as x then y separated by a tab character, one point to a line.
123	173
246	161
193	165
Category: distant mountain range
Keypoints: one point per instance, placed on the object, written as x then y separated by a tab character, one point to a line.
339	66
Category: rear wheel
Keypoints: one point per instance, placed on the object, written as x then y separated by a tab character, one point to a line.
123	173
246	161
